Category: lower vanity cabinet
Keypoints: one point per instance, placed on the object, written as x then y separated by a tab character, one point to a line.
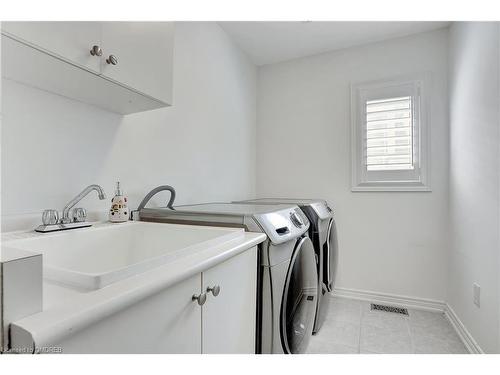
167	322
173	321
229	313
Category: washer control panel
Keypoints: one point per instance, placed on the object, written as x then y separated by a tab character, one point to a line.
283	225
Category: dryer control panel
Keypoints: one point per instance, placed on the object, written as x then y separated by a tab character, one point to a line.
322	210
283	225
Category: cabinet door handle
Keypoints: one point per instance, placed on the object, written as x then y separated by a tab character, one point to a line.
96	51
214	289
112	59
201	298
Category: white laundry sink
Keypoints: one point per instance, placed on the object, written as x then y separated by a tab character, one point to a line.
92	258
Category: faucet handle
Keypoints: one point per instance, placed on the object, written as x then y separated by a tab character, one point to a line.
79	215
50	217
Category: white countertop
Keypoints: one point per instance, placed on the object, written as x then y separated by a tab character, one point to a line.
67	310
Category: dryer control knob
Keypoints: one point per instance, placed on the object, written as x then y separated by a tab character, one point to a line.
296	220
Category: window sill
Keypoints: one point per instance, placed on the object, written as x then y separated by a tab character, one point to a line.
382	188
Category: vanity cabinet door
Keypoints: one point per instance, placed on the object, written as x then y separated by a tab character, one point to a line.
167	322
140	56
229	319
71	41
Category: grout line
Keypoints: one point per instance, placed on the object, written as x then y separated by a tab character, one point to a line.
360	324
412	342
2	331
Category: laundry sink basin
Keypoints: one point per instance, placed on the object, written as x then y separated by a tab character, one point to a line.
92	258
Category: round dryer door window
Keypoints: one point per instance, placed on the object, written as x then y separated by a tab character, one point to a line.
298	307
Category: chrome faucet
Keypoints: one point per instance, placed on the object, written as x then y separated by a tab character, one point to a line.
52	223
65	214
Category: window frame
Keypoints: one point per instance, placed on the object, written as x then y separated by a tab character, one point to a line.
391	180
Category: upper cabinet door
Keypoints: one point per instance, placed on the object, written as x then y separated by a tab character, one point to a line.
70	41
140	56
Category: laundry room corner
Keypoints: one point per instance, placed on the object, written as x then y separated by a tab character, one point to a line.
391	243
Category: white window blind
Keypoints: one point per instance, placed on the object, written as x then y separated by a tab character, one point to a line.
389	135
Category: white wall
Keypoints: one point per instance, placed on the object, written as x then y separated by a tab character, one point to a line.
389	242
474	178
52	147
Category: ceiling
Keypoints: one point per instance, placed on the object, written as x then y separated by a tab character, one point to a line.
272	42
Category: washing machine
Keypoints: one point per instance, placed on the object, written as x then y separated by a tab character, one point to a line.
287	276
323	233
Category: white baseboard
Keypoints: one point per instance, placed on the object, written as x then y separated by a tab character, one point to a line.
393	299
417	304
469	342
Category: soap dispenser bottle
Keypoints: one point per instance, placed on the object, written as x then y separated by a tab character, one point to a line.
118	212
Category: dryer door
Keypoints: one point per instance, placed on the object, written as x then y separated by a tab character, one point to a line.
298	307
330	256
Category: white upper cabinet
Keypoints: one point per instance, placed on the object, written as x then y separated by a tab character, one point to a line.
142	53
71	41
129	70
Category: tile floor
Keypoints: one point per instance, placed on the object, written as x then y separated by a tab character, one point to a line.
352	327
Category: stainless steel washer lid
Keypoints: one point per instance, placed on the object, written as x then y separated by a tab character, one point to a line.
320	206
281	223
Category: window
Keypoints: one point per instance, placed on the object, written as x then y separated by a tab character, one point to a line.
389	136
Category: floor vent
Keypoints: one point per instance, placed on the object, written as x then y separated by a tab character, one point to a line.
392	309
